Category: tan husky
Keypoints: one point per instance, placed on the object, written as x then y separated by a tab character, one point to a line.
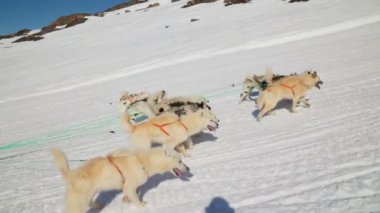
292	87
122	169
169	129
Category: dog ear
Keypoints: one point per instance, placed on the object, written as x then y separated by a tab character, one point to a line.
124	96
256	78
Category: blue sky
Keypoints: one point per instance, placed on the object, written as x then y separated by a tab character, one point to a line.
33	14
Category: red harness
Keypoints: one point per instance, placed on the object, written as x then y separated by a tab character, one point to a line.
117	168
161	127
289	87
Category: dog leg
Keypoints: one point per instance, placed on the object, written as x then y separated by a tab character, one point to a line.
267	108
294	104
189	143
95	205
130	194
181	149
305	102
77	200
243	98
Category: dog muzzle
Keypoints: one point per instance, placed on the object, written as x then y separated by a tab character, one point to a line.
318	84
212	127
182	173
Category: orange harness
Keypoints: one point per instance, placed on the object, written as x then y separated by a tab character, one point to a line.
117	168
289	87
161	127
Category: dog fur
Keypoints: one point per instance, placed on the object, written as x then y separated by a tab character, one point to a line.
178	103
254	81
141	102
292	87
100	174
127	100
178	129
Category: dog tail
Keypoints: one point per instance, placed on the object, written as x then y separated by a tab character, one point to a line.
61	162
268	75
125	121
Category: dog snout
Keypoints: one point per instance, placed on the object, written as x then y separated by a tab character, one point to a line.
186	168
216	122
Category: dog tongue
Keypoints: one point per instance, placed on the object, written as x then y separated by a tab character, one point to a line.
211	128
178	172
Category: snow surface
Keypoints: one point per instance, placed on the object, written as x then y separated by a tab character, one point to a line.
62	92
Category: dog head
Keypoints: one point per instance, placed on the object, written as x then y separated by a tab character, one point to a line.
167	160
312	79
207	119
156	97
127	99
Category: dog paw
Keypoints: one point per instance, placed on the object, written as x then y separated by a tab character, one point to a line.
126	199
293	110
141	204
186	154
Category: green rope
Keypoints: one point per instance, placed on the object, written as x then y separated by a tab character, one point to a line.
86	128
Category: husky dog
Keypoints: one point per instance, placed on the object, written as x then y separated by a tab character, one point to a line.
169	129
124	170
292	87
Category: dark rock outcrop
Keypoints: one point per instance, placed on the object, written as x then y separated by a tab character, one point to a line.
66	21
29	38
153	5
194	2
125	4
230	2
18	33
292	1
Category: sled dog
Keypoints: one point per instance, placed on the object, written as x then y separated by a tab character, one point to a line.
169	129
293	87
122	169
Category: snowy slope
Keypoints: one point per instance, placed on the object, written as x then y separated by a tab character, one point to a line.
62	92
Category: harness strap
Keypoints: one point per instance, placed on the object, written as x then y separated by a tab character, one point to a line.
289	87
292	87
161	127
117	168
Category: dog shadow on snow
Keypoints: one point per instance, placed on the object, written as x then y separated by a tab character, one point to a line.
283	104
106	197
203	137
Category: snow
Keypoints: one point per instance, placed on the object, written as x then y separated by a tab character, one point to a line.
62	92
